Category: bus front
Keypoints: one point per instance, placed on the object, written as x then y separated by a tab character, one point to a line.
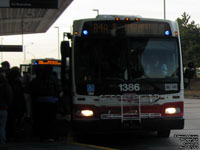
50	63
127	70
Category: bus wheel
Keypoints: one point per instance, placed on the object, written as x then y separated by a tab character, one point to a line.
163	133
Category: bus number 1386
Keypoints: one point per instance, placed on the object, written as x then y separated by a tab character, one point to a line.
129	87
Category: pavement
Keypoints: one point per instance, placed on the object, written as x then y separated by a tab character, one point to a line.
26	140
64	143
59	145
193	91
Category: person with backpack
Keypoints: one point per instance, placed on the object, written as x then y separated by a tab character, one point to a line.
45	91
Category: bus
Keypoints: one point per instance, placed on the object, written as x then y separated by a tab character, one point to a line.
36	64
125	74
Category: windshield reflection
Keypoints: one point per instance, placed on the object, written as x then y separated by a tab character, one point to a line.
125	59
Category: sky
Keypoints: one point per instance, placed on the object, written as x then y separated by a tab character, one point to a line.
45	45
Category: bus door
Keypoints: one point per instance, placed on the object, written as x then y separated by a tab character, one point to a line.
24	68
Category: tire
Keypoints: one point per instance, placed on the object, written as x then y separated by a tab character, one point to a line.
163	133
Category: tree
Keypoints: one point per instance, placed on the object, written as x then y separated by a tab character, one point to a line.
190	39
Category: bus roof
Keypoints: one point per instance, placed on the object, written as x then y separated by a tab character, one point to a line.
173	24
122	17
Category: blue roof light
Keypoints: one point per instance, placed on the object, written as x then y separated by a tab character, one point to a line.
167	33
35	63
85	32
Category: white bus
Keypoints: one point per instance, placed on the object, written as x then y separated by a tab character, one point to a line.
125	72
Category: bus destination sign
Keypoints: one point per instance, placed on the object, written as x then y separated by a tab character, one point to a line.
126	28
47	62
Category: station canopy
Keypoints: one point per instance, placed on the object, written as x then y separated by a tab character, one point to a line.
24	20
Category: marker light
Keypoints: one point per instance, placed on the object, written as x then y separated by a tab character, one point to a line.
137	19
87	113
170	110
127	19
85	32
117	19
176	33
76	33
167	33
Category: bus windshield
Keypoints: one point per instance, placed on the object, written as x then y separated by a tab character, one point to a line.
126	60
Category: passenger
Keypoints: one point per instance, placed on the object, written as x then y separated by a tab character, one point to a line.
189	74
6	96
26	86
45	92
17	109
6	66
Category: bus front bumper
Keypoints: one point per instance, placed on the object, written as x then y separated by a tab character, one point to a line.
116	125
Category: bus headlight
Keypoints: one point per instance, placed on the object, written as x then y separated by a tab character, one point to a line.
87	113
172	110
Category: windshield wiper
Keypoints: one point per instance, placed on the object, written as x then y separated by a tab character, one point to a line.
147	78
114	79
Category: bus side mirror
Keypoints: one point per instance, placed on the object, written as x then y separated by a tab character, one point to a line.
65	61
65	49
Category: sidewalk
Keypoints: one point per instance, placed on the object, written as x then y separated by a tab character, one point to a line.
194	91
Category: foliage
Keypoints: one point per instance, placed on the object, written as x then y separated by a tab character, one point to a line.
190	40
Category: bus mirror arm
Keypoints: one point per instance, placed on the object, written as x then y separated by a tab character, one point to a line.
68	35
65	49
65	52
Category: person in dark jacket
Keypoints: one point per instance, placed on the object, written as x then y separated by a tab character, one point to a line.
6	97
189	74
6	67
17	109
45	91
